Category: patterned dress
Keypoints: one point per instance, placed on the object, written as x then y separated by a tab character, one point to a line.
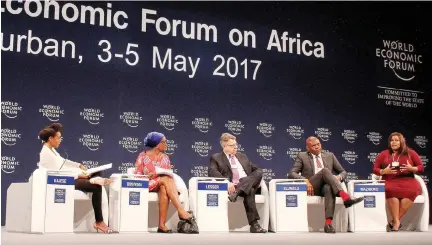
146	164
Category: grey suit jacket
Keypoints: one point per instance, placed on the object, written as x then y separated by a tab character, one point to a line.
304	165
221	168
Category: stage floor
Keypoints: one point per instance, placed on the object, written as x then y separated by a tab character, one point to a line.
416	238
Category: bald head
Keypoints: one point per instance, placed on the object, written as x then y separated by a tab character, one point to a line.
313	145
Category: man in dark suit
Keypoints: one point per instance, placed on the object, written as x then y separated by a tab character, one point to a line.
244	177
323	174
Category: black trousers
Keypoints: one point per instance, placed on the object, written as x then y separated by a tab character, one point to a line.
96	190
326	185
247	188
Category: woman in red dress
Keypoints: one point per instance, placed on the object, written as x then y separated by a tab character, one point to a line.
164	185
397	166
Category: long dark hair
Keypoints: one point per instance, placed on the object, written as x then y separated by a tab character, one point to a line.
403	150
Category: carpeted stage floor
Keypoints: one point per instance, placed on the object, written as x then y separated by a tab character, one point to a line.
412	238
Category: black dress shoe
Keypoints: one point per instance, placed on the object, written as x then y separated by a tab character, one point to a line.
351	201
159	230
256	228
233	196
329	229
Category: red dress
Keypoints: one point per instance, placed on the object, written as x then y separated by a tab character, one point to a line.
399	185
145	165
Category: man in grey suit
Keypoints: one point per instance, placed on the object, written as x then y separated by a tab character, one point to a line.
244	176
323	175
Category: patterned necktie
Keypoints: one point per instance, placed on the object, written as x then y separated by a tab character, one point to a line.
319	165
234	170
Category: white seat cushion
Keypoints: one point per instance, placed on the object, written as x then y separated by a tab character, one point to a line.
320	200
419	199
79	195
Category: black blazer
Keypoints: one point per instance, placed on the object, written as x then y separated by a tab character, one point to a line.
220	166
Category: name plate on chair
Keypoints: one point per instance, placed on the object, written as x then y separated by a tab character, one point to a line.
128	183
60	180
291	187
203	186
369	188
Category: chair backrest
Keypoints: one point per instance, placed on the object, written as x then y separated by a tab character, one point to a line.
130	170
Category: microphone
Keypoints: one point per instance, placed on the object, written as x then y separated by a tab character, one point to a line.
64	159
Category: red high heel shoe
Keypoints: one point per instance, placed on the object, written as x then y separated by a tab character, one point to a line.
103	228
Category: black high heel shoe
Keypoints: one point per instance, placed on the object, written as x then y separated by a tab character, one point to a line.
389	227
159	230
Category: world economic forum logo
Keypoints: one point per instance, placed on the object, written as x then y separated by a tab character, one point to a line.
132	119
202	148
374	137
10	136
167	121
131	144
266	152
92	115
203	124
323	133
9	164
235	127
266	129
91	141
268	174
199	171
402	58
350	156
296	132
52	112
124	166
349	135
10	109
171	147
421	141
293	152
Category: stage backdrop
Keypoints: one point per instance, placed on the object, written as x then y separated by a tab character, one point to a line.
271	74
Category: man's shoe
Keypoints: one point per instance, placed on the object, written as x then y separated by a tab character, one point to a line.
233	196
351	201
256	228
329	229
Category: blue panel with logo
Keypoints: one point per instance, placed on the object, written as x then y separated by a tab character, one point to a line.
60	180
369	201
291	201
134	198
127	183
59	195
212	200
209	186
291	187
369	188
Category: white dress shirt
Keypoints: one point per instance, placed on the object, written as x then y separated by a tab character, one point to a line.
51	160
240	169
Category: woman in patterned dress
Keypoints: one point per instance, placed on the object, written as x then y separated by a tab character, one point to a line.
164	185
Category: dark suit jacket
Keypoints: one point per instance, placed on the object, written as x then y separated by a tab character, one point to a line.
304	164
221	168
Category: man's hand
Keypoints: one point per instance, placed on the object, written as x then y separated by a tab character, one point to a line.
231	188
338	178
310	190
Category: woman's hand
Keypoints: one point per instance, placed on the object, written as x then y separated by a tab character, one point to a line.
151	175
388	170
82	167
83	175
408	168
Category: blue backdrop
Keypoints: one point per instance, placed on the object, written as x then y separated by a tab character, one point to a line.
349	73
